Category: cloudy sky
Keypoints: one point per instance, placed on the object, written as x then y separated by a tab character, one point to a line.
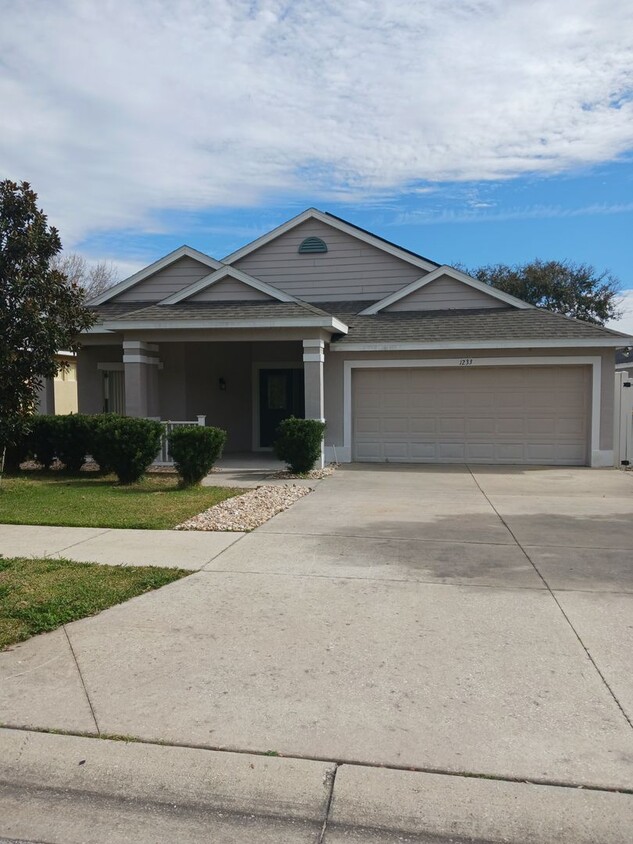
473	131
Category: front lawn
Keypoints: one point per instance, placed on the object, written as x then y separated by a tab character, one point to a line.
37	595
155	502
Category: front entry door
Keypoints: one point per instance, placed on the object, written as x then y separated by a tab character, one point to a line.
281	394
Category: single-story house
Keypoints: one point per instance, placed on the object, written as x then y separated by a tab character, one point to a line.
406	359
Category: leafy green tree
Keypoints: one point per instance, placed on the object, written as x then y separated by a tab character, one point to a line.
41	311
575	290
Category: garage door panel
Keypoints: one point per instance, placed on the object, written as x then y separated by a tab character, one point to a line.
510	426
544	427
423	425
479	426
423	451
452	451
521	414
395	425
396	451
452	425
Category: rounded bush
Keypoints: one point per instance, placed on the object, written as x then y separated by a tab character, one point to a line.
72	440
43	439
298	443
124	445
195	449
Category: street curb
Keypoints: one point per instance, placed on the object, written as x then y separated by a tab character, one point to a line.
214	781
385	805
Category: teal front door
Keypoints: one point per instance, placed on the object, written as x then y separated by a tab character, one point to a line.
281	394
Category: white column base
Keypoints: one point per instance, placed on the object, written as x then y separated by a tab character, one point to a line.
601	459
337	454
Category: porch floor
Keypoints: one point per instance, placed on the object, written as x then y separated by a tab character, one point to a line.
250	469
251	461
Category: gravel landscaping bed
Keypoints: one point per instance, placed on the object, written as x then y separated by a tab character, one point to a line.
248	511
312	475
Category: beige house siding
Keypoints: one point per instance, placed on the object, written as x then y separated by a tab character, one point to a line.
445	293
65	389
163	283
350	269
229	290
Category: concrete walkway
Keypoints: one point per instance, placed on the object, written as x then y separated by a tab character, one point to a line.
166	548
461	624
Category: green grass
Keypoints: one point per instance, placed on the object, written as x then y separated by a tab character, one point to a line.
37	595
154	503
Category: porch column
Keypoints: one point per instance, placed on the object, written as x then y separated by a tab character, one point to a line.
140	363
313	357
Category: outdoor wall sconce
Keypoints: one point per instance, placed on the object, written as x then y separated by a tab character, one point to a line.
222	384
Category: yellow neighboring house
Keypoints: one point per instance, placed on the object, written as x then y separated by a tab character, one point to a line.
59	394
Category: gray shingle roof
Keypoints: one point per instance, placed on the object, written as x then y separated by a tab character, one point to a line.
137	311
488	324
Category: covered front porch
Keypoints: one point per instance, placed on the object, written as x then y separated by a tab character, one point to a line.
245	387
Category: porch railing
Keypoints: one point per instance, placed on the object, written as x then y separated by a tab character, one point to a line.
164	457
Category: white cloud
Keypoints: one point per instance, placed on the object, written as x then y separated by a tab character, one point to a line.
625	323
115	110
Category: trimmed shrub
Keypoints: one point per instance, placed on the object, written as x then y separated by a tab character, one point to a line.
42	439
124	445
195	449
95	451
73	436
298	443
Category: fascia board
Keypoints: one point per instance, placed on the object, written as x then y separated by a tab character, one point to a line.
330	323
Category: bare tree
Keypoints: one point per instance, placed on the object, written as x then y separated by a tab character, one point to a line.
93	278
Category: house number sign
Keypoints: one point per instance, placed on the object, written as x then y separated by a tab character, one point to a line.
465	361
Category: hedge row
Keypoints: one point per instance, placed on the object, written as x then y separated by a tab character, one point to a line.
126	445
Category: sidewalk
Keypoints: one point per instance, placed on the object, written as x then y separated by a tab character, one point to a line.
167	548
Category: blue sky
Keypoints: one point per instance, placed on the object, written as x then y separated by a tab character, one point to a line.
466	131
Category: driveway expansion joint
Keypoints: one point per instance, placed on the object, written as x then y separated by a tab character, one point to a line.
81	678
557	602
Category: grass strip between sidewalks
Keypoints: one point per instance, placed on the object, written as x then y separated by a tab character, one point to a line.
38	595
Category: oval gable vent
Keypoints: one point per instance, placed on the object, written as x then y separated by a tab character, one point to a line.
312	245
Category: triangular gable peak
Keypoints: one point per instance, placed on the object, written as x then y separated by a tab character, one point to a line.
164	277
228	284
445	289
318	257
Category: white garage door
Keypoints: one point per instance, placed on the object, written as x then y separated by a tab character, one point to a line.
485	414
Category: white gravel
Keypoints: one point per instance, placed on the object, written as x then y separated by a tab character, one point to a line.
248	511
312	475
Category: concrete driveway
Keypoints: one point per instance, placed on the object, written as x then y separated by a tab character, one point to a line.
434	618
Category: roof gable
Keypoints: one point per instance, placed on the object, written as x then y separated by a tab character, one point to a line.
395	301
238	292
125	286
335	223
